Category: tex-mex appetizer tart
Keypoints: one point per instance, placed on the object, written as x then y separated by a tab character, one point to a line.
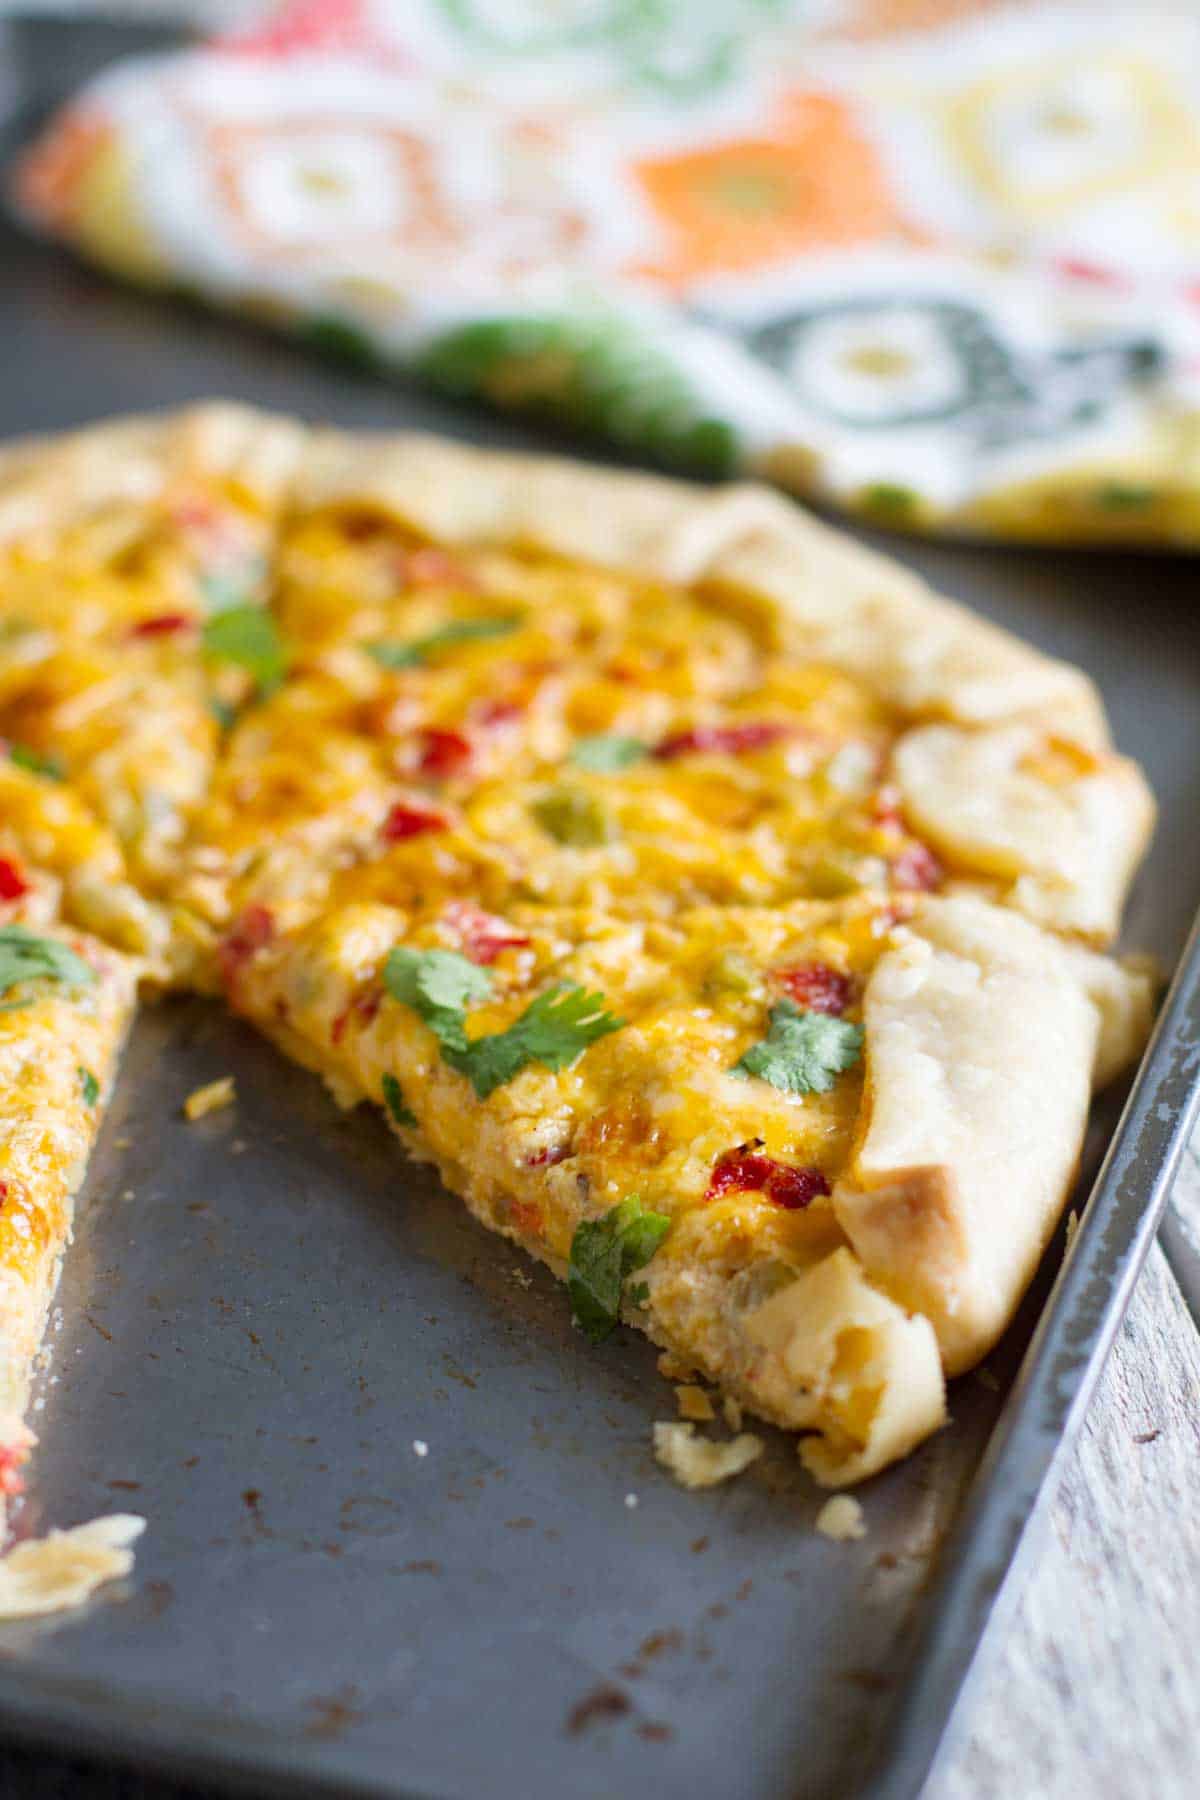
721	911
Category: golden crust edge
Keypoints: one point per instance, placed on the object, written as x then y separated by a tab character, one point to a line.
50	483
985	1040
740	537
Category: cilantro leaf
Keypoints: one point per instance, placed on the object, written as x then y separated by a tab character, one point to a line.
90	1086
394	1100
607	752
394	654
437	984
36	764
802	1051
554	1030
604	1253
249	637
26	957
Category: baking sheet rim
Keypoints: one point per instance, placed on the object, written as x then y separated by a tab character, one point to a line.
994	1537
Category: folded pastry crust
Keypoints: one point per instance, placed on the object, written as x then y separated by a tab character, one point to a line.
984	1039
52	486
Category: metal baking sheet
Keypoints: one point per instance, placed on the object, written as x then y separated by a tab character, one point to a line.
263	1312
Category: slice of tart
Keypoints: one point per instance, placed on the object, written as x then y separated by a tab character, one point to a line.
66	1002
815	1150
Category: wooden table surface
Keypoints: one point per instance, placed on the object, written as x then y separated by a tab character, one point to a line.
1094	1693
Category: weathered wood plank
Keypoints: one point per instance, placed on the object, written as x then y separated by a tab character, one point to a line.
1095	1694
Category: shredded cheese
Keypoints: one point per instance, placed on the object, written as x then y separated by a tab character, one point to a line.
697	1462
63	1569
841	1519
210	1098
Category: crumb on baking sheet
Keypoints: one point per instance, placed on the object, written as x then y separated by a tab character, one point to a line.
210	1098
698	1462
420	1447
673	1368
64	1568
694	1403
841	1518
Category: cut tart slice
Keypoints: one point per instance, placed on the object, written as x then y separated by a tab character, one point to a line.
816	1150
66	1002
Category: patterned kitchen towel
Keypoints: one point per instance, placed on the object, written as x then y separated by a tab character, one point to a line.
933	261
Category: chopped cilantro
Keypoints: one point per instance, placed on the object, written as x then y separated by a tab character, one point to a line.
607	752
25	758
437	984
570	815
802	1051
604	1253
223	713
554	1030
392	654
394	1100
249	637
24	956
90	1086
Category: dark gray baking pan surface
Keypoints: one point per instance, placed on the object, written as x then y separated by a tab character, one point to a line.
263	1312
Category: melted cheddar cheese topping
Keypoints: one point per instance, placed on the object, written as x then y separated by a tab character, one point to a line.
505	727
658	1107
102	663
